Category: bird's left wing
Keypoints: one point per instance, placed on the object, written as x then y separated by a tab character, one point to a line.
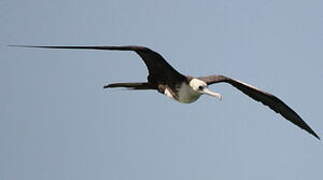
157	66
266	98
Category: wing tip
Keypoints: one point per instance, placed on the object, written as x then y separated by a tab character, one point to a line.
315	135
311	131
106	86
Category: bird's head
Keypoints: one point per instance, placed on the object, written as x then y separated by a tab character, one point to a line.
201	87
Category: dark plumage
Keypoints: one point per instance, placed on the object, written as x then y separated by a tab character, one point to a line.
186	89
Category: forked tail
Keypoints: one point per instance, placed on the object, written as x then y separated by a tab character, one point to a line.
133	86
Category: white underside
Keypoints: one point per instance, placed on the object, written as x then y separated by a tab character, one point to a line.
168	94
185	94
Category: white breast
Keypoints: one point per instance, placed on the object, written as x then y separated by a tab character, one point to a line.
185	94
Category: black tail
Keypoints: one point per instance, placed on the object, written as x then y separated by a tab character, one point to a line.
134	86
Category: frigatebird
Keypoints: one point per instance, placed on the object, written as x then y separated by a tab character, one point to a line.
187	89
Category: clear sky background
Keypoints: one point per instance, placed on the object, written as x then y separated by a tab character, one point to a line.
57	122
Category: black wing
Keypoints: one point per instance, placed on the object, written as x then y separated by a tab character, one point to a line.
159	69
266	98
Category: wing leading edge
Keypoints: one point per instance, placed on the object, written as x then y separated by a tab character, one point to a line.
266	98
159	69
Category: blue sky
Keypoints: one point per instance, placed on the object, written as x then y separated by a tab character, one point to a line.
56	121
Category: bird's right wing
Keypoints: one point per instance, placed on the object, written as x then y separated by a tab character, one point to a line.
157	66
266	98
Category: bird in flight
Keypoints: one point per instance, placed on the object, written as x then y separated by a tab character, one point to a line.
187	89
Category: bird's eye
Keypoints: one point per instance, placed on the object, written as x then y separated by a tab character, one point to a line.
201	87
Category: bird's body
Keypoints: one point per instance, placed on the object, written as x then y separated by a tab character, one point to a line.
182	93
186	94
186	89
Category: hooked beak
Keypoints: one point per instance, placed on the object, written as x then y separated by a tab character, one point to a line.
210	93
